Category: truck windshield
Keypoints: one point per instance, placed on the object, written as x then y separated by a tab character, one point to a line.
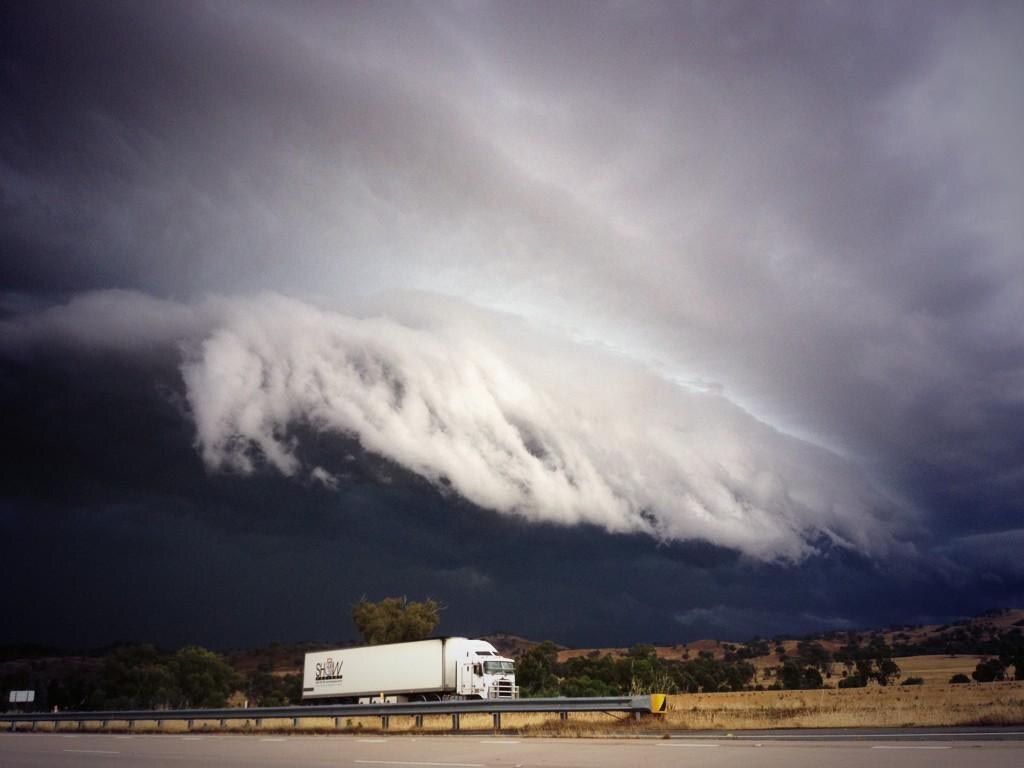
499	667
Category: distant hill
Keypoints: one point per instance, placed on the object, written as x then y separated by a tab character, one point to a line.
972	636
511	645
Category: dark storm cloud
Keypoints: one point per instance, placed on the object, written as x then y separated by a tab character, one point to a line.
805	214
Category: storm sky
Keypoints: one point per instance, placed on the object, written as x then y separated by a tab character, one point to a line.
600	322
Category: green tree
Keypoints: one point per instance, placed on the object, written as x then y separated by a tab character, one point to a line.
814	654
203	677
265	689
794	676
587	686
535	670
1011	652
708	674
395	619
135	677
886	670
989	670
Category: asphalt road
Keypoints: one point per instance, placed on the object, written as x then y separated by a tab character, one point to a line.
32	750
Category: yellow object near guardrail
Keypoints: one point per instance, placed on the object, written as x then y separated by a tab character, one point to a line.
659	703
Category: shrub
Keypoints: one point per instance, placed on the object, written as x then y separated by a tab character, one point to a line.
959	678
914	681
989	670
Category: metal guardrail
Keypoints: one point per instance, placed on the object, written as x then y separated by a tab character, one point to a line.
496	707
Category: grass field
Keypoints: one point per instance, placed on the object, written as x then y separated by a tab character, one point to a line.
937	669
931	669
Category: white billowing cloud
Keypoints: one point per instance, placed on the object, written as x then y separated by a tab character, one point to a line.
509	417
127	321
519	423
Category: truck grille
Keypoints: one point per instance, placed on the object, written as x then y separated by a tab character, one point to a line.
504	689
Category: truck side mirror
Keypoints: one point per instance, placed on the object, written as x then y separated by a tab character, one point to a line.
477	669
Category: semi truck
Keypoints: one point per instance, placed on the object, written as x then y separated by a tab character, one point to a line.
424	670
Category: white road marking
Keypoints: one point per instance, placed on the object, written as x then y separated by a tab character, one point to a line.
124	737
413	762
677	744
191	738
93	751
907	746
273	739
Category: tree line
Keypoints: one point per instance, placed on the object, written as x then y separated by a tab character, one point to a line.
857	663
641	670
144	677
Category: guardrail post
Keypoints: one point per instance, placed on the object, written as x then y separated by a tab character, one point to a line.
295	722
337	722
385	722
159	724
419	721
259	722
497	720
223	723
33	725
563	715
189	726
131	725
81	725
455	721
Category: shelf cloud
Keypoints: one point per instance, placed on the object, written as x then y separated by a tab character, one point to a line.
483	405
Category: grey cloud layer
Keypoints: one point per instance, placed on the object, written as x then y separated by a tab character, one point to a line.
506	417
812	206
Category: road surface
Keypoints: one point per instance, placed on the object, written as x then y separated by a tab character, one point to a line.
934	750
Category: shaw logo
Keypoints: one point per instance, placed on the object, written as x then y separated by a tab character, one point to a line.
328	670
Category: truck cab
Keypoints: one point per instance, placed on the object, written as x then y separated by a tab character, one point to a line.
486	674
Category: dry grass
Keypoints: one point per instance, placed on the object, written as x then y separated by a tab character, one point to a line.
935	704
993	704
937	669
930	668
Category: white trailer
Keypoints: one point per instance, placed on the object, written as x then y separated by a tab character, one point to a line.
425	670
